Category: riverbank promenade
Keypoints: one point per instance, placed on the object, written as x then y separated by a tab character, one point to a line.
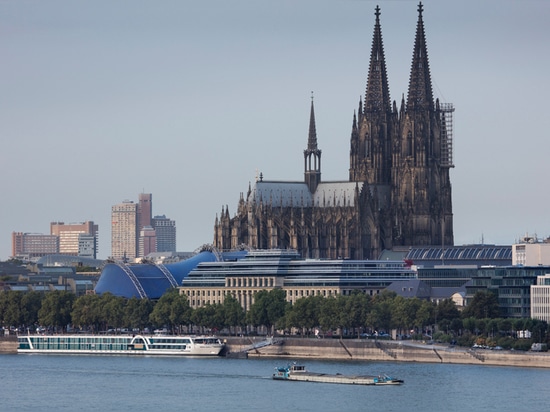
385	350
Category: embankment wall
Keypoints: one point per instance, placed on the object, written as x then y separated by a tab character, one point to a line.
402	351
8	344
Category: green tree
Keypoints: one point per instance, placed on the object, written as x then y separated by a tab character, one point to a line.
268	308
469	324
112	310
403	313
172	309
133	317
303	314
481	326
484	305
456	325
56	309
505	325
355	309
30	305
423	315
86	312
328	314
518	324
539	330
208	316
380	317
492	327
180	311
233	312
10	308
446	309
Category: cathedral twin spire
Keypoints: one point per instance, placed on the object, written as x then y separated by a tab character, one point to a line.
377	127
420	95
377	95
402	190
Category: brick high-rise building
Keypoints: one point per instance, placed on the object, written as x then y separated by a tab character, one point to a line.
147	241
145	210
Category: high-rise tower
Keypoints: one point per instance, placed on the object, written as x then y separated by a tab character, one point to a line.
124	230
145	210
165	229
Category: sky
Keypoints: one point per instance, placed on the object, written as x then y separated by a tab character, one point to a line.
189	100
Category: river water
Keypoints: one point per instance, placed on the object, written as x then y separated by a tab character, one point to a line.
116	383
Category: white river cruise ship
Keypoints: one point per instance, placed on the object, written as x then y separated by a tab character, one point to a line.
167	345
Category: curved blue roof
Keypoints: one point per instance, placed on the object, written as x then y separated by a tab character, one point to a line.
147	280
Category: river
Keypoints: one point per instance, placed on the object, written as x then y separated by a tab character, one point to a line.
115	383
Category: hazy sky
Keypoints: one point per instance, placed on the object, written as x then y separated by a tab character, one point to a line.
102	100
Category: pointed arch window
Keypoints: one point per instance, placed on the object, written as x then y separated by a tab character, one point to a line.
409	144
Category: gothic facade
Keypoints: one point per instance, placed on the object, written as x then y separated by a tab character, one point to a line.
399	189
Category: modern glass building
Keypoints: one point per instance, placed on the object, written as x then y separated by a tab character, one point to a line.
210	282
165	229
511	284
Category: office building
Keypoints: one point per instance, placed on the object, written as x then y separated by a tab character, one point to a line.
511	285
145	207
147	241
531	251
166	233
70	237
540	298
242	278
33	245
87	245
124	231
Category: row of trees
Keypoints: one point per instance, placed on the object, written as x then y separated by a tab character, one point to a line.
351	315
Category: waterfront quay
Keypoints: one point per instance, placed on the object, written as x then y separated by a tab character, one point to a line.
8	344
303	349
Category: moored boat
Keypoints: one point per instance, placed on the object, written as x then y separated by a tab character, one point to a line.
121	345
297	372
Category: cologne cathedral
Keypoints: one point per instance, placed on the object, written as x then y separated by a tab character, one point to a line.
399	190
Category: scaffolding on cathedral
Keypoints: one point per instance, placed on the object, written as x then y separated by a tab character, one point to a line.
447	110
